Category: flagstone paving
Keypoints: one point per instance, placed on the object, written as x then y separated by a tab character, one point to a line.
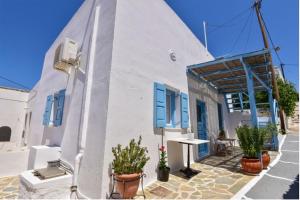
220	178
9	187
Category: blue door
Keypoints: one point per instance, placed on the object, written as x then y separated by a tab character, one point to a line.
202	128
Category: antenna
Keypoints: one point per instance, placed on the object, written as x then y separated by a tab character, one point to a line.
205	37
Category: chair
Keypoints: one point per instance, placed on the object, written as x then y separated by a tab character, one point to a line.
220	146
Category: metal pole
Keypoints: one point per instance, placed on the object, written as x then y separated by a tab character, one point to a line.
251	93
205	37
257	6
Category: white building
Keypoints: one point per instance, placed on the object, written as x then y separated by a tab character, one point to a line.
14	118
131	54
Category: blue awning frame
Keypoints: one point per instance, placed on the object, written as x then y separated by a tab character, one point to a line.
248	78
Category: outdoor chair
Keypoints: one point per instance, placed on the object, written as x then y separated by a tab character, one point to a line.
220	146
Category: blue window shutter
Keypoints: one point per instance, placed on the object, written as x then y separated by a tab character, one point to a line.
48	108
184	110
159	105
59	99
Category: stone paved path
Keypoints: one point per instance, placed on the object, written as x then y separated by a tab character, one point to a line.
9	187
220	178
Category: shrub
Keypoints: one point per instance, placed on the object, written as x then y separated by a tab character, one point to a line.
288	97
130	159
251	140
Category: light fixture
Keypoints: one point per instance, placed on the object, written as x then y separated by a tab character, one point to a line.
172	55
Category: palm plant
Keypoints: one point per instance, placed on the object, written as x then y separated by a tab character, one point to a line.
251	140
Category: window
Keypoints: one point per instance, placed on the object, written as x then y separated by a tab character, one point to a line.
170	108
54	109
220	116
5	134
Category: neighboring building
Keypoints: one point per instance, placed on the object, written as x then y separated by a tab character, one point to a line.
133	56
14	119
278	72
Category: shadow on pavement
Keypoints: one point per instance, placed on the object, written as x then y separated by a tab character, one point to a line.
293	192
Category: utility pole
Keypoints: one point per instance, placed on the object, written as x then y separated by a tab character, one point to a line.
257	6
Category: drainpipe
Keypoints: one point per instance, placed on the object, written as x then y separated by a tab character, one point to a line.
74	190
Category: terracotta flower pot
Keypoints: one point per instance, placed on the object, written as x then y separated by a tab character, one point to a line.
251	165
128	185
265	159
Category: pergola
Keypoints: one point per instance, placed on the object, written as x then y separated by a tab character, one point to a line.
240	74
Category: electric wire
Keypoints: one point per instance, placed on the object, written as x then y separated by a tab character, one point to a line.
225	24
273	46
249	32
14	82
291	64
239	35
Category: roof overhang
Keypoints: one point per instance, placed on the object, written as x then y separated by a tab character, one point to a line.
228	74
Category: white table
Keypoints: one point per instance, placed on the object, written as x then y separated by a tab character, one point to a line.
188	171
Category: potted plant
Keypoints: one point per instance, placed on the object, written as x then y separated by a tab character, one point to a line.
269	132
251	141
128	166
222	135
163	169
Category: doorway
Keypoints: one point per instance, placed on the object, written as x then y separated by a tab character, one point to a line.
202	128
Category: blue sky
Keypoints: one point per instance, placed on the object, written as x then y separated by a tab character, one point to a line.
29	27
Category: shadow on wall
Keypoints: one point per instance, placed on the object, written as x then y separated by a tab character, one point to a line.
5	134
293	192
109	173
158	131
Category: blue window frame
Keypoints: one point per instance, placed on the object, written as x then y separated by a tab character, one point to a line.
54	109
170	105
170	108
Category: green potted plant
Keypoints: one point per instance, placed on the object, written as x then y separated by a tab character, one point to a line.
251	141
222	135
163	169
128	167
268	132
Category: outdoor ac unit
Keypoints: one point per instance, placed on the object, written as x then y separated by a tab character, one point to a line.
65	55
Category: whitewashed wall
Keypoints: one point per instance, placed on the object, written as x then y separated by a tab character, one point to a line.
144	33
236	119
31	136
67	135
91	180
132	53
13	104
201	91
52	81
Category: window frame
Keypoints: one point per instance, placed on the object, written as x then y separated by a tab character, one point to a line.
220	116
172	112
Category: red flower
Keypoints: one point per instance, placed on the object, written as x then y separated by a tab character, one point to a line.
162	148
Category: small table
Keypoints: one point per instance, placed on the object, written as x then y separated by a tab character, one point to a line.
188	171
231	142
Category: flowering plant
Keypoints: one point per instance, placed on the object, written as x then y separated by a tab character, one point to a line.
163	157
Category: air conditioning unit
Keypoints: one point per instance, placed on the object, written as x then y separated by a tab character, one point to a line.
66	55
